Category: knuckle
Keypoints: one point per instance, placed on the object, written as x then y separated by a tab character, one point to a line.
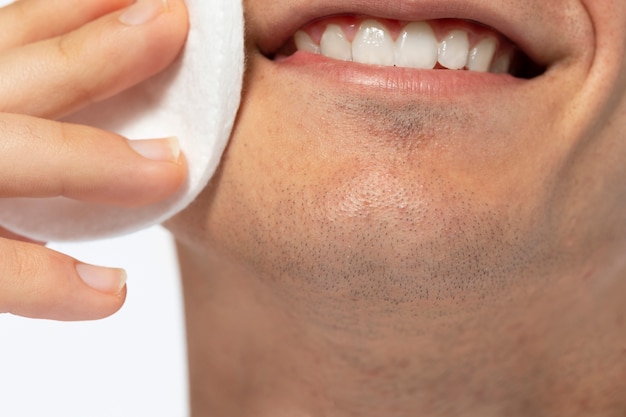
18	263
60	149
18	273
65	138
64	49
69	55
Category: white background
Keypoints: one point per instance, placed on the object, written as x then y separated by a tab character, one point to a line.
130	365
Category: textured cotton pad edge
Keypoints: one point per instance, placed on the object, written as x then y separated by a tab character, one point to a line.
196	100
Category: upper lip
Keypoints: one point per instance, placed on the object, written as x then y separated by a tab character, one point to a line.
511	19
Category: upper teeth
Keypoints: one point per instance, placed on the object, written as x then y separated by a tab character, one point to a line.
416	46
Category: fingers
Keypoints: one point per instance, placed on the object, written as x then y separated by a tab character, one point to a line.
43	158
60	75
76	60
37	282
28	21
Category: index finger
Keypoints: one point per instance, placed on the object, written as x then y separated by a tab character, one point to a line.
61	75
28	21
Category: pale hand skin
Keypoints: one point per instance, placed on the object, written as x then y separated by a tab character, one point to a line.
368	253
55	58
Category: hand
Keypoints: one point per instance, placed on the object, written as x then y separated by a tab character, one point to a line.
56	57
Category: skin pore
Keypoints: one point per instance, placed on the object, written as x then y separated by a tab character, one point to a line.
367	248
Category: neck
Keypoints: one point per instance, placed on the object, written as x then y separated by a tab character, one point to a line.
257	350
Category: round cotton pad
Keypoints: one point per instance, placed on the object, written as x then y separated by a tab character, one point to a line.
195	100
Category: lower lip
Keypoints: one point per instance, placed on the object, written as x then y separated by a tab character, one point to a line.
405	83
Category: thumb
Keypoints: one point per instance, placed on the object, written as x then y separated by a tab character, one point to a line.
38	282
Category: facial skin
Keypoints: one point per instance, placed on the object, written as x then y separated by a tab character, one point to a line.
381	241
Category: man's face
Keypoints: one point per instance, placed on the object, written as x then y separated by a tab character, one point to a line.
396	186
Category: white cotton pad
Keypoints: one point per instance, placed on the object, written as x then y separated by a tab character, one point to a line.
195	100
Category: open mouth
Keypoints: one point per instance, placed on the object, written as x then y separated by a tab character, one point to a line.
440	44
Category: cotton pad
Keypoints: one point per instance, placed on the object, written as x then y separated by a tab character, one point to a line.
196	100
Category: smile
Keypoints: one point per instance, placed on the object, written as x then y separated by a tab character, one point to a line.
436	44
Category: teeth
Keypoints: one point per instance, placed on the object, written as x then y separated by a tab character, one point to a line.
481	56
335	45
502	64
417	47
454	50
373	45
305	43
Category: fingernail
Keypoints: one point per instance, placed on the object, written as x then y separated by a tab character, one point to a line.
143	11
165	150
108	280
